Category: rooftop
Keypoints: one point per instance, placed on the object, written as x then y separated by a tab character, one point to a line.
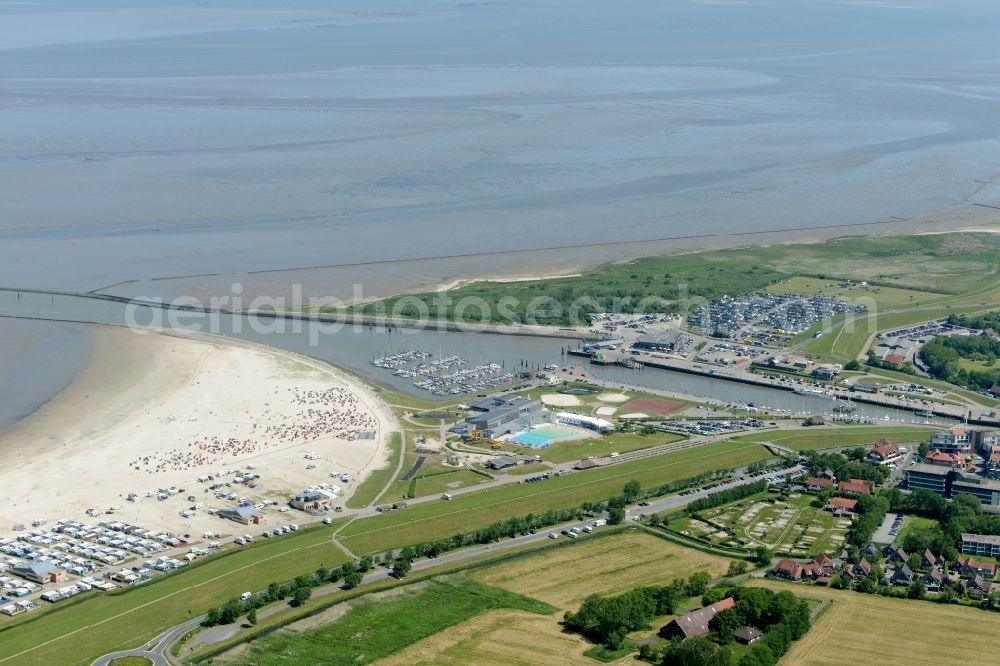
992	539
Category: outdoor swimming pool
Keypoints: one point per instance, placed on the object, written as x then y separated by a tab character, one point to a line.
542	436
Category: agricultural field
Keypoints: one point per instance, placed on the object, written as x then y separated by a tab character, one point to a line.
788	527
376	628
436	520
830	438
497	638
870	630
607	566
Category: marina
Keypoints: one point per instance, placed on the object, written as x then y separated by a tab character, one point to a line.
445	375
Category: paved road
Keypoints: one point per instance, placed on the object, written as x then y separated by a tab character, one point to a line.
158	650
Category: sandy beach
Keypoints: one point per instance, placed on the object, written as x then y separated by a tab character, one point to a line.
153	411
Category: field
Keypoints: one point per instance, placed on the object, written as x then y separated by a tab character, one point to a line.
75	633
579	449
829	438
436	520
789	527
370	630
882	297
655	406
607	565
498	638
869	630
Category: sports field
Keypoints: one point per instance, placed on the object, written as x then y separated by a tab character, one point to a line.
869	630
437	520
652	406
607	566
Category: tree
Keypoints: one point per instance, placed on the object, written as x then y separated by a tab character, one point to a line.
914	561
212	617
758	655
632	491
737	568
698	583
851	366
352	579
274	591
301	595
616	515
400	568
727	622
365	563
762	555
916	590
252	617
231	611
696	652
923	449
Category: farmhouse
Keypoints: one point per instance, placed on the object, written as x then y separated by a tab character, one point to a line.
748	635
695	623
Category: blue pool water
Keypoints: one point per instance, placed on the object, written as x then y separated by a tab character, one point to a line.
540	437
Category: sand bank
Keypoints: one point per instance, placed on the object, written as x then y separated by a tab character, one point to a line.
153	411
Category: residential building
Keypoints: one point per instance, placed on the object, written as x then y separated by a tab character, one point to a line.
856	486
842	505
968	566
903	576
894	553
787	569
695	623
986	491
929	560
885	452
816	484
983	545
943	458
308	501
928	477
956	440
860	570
932	581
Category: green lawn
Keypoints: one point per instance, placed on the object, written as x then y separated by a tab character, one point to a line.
369	489
913	523
372	630
578	449
823	437
76	633
436	520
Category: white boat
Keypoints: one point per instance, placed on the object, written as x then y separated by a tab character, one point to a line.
814	393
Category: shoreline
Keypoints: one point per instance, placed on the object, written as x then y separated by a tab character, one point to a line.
140	403
377	280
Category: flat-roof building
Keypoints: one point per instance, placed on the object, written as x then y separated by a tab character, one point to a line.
982	545
507	413
928	477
